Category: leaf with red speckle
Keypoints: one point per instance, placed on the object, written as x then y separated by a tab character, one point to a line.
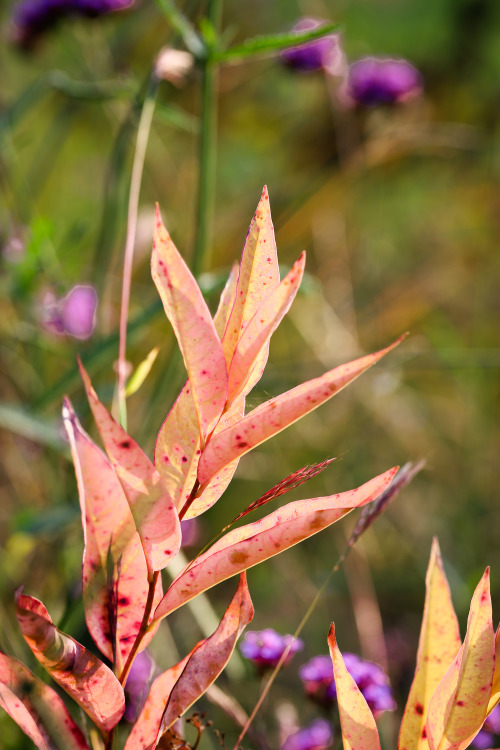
495	688
115	574
37	708
81	674
177	689
438	645
155	516
359	730
273	416
261	326
249	545
458	707
193	326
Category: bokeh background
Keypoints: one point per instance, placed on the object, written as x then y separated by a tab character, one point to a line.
399	211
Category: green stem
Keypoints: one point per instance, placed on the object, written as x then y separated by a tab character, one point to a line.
208	149
133	208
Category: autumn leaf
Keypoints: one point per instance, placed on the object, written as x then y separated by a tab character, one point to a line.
114	574
495	688
248	545
458	706
359	730
438	645
81	674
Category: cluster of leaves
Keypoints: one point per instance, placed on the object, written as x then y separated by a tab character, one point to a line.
132	507
456	685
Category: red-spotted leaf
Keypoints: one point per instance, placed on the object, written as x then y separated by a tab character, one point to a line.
259	275
261	326
155	516
495	688
37	708
438	645
458	707
81	674
171	697
359	731
273	416
249	545
193	326
115	574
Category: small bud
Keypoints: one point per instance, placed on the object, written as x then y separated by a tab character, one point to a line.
173	65
320	54
73	315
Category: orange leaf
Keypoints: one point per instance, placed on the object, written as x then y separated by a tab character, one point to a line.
154	513
438	645
359	731
115	587
193	326
249	545
458	707
275	415
37	708
81	674
495	688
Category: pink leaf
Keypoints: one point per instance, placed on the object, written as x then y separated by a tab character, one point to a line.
171	695
261	326
37	708
226	301
81	674
115	574
359	731
459	704
248	545
154	513
273	416
193	326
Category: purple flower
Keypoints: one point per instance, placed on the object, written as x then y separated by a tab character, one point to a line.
316	736
74	314
31	18
265	647
190	529
137	685
485	737
372	81
317	676
320	54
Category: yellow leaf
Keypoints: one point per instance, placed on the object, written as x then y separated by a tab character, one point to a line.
141	373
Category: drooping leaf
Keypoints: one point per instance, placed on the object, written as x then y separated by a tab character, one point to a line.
274	415
37	708
495	688
81	674
152	507
115	574
458	707
260	328
178	688
438	645
248	545
193	326
359	730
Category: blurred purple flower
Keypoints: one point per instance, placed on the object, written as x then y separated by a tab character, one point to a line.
317	676
320	54
485	738
265	647
372	81
74	314
137	685
190	529
31	18
317	736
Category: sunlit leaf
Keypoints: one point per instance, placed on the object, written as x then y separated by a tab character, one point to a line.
359	731
81	674
37	708
141	373
458	707
115	587
278	413
248	545
193	326
495	688
154	513
438	645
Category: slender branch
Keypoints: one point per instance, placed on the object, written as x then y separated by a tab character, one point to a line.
143	629
189	501
133	207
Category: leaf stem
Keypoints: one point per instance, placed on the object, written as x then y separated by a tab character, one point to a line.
208	148
143	629
143	131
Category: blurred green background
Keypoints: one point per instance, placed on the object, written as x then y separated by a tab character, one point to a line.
399	211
